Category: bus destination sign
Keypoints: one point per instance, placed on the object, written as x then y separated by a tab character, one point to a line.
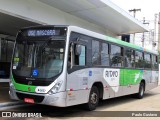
34	33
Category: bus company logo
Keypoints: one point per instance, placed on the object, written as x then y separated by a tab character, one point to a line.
30	83
111	76
111	73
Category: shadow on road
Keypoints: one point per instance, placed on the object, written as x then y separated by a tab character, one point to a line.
122	100
78	110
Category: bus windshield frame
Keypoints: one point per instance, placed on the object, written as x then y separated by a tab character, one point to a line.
40	57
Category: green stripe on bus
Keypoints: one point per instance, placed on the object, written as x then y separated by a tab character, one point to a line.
21	87
130	76
114	40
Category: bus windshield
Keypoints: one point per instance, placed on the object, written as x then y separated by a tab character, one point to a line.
38	58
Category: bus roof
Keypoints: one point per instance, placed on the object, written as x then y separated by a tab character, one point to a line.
43	26
110	39
97	35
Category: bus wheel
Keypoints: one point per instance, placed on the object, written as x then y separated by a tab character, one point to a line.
140	94
93	99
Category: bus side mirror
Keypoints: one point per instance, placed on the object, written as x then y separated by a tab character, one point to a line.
78	50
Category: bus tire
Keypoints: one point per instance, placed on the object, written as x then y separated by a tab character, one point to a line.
140	93
93	99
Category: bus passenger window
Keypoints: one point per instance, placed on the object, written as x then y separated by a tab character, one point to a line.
147	62
81	58
116	56
157	62
104	54
129	58
95	52
139	62
154	62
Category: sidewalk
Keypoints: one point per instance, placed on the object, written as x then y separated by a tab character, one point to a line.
4	96
4	80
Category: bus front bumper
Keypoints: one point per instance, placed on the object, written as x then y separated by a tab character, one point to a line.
58	99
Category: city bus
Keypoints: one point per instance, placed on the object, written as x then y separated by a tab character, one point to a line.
68	65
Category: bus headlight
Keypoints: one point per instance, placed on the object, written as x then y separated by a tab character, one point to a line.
55	88
11	85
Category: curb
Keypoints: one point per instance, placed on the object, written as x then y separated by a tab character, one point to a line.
6	104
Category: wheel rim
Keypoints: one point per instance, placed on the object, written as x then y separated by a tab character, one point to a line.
94	98
142	91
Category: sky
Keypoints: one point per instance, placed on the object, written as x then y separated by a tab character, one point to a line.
148	8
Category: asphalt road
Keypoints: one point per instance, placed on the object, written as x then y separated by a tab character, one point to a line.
4	95
150	102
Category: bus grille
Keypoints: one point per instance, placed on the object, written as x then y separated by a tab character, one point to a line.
37	98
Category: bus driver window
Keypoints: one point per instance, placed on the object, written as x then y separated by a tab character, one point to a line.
77	55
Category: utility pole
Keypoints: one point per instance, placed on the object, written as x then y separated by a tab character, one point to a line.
134	14
159	33
134	11
155	28
143	36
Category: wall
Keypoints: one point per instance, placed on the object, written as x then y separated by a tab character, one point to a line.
159	75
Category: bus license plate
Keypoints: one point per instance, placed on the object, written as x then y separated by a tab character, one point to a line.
28	100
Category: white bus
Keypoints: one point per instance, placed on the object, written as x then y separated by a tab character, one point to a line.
68	65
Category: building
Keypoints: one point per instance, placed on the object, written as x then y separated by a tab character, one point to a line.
101	16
